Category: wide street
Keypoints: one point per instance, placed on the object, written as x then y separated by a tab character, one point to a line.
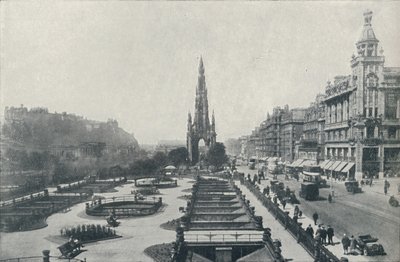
365	213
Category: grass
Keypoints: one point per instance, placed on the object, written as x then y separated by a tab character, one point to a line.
159	252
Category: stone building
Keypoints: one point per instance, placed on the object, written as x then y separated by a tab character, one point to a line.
311	143
276	136
291	129
354	127
363	112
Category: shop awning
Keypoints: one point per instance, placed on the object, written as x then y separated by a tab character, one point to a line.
329	164
348	167
307	163
297	163
335	164
340	167
323	164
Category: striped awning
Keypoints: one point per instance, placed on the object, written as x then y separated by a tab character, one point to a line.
334	165
323	164
297	162
340	167
348	167
308	163
330	163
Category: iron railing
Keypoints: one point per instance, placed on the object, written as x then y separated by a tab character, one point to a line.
313	247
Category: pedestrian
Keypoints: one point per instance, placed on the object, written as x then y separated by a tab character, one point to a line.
385	189
275	199
315	217
296	210
330	234
323	235
283	202
295	218
310	230
287	193
352	244
318	232
330	198
267	190
387	184
346	244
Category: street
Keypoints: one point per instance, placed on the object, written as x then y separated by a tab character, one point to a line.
366	213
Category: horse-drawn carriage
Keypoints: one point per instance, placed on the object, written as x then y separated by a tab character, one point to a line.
368	245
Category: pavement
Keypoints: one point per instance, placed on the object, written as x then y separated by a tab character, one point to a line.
291	250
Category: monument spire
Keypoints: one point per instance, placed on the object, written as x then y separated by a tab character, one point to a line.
200	128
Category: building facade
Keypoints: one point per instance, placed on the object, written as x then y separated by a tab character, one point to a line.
277	135
312	141
353	128
362	110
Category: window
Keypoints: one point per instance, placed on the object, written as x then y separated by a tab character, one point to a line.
391	105
392	132
370	131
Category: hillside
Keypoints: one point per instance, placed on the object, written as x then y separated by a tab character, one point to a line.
37	128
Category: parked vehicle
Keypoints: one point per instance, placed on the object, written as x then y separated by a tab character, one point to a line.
393	201
352	187
309	191
368	245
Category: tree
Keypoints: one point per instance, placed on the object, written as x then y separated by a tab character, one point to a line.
217	156
160	158
178	156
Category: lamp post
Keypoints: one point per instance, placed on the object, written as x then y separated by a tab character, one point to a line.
359	125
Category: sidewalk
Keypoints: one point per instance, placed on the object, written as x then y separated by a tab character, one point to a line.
336	248
291	250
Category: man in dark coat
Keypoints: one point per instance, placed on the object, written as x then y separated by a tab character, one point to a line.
330	234
315	217
267	190
310	230
346	244
283	202
323	235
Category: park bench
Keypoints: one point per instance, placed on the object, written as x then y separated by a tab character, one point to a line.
71	249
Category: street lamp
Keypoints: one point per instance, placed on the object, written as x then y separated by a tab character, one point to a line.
359	125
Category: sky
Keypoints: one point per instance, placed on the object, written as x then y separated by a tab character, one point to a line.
137	62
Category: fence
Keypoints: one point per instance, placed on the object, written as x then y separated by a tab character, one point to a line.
103	207
44	258
316	250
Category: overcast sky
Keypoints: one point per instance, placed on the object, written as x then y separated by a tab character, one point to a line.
137	62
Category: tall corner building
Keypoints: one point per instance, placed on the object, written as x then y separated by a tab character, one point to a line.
362	112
